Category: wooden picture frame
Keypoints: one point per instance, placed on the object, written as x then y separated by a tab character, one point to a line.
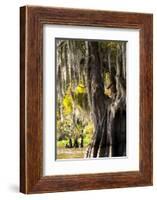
32	19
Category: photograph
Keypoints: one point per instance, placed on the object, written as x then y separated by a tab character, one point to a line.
90	98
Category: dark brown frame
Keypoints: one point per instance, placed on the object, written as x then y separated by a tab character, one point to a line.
32	20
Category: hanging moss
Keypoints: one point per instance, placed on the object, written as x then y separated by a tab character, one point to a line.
80	97
67	103
107	80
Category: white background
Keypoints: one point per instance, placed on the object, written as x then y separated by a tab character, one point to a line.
9	100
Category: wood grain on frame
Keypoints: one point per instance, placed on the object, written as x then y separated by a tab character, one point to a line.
32	20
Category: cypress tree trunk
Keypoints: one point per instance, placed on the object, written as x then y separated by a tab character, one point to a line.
96	89
118	108
109	115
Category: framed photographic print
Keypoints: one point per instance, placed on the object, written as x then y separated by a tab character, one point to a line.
85	99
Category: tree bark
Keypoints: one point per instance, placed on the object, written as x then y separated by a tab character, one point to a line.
109	116
96	89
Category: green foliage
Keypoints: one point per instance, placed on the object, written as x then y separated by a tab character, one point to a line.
75	99
87	140
89	128
80	89
62	143
63	126
112	45
88	132
80	97
67	103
